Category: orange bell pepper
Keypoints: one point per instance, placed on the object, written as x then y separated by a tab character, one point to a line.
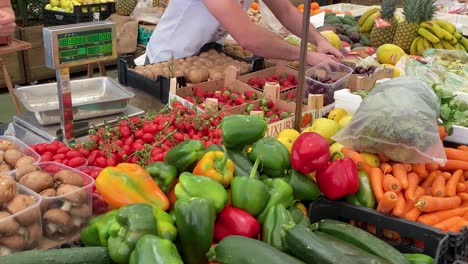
216	165
129	183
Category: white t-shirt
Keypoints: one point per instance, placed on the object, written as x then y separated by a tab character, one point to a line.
184	28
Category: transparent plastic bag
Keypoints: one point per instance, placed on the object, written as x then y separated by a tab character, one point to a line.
270	20
398	119
451	66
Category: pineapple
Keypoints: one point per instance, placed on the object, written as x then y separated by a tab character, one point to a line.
125	7
407	30
380	36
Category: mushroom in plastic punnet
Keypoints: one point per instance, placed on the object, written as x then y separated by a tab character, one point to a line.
25	169
6	144
57	221
25	160
80	214
68	177
33	235
7	189
11	156
37	181
7	227
74	196
21	202
11	243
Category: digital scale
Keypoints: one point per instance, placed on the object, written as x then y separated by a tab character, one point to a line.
70	46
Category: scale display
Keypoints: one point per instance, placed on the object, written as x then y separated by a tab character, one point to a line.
78	46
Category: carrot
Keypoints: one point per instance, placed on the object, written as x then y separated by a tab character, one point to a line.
428	191
436	217
417	194
458	226
391	234
388	202
413	181
447	223
438	187
463	148
420	170
430	179
372	229
432	166
456	154
465	216
399	171
400	205
408	167
376	177
451	186
383	157
461	187
428	204
462	178
442	132
446	175
465	175
412	214
466	185
463	196
355	156
386	168
455	165
391	184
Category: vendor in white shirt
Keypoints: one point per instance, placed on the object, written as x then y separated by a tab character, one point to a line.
187	25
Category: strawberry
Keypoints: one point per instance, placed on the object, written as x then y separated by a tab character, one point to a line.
230	103
269	113
269	79
264	101
291	78
239	100
274	119
198	92
270	104
249	94
256	85
261	82
252	81
189	98
209	95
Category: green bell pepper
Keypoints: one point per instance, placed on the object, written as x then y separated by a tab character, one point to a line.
242	130
248	193
163	174
97	231
133	222
298	216
276	160
152	249
164	224
191	185
305	189
195	218
280	193
242	165
273	230
365	195
185	155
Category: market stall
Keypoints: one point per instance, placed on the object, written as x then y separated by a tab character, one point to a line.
257	161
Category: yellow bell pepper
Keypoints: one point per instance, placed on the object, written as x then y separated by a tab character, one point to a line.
216	165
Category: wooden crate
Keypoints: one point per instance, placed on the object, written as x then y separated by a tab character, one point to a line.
14	63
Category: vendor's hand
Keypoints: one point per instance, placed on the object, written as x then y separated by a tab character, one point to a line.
314	58
7	21
325	47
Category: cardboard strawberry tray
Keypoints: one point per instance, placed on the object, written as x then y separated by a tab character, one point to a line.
286	77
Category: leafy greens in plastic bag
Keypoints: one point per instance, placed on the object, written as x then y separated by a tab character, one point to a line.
398	119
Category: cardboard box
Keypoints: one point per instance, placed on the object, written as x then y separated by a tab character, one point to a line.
280	69
367	82
229	81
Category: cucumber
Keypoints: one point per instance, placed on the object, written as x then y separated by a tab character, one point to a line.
239	249
315	248
361	239
79	255
419	259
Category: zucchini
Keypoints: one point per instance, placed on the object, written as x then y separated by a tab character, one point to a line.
361	239
79	255
239	249
315	248
419	259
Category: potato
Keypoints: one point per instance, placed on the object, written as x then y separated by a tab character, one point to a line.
166	72
11	156
198	64
181	61
178	73
195	76
147	73
139	68
244	69
212	51
37	181
216	75
156	72
204	55
205	74
187	72
209	63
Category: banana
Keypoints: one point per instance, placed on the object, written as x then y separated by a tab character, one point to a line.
445	25
454	41
447	45
426	44
413	48
369	23
460	47
438	31
428	35
419	46
367	14
464	42
457	35
437	45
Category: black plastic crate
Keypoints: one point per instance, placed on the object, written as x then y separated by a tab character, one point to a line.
256	63
83	13
158	88
435	241
458	245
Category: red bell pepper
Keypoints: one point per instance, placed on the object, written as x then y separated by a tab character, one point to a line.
234	221
338	179
309	153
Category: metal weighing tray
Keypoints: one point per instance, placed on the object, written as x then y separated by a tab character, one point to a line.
91	98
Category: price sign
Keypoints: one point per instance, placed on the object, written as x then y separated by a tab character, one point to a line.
78	44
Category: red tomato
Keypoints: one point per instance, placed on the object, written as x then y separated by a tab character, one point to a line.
138	134
47	156
73	154
65	162
148	138
119	142
87	171
178	136
77	162
127	148
95	173
129	141
158	157
125	131
101	162
52	148
60	156
111	162
137	146
149	128
101	153
92	157
134	159
52	169
40	148
62	150
84	151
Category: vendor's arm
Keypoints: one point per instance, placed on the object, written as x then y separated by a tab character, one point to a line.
291	18
7	18
254	38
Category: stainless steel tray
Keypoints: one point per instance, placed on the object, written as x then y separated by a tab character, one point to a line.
91	98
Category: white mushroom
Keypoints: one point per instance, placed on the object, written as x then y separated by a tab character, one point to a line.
57	221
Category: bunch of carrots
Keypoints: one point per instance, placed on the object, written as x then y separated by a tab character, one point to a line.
427	193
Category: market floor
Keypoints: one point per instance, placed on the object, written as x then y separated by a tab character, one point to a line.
141	100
